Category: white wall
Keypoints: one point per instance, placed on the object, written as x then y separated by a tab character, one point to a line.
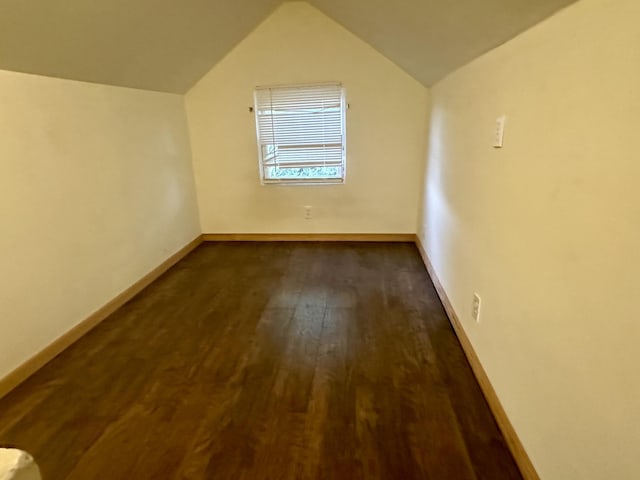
547	230
386	137
96	190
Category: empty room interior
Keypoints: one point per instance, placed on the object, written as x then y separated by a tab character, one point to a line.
319	240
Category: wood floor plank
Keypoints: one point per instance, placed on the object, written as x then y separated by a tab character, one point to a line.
266	360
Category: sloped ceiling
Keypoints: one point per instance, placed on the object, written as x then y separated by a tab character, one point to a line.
431	38
167	45
164	45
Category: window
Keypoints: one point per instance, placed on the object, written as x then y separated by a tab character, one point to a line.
301	133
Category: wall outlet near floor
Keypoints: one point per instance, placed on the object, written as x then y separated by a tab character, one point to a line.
475	308
307	212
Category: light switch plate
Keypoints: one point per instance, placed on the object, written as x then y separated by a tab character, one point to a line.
498	141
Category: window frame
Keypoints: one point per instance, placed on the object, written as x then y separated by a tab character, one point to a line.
262	166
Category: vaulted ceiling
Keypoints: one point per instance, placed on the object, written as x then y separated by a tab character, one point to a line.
167	45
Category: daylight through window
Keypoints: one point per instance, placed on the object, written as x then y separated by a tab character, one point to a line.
301	133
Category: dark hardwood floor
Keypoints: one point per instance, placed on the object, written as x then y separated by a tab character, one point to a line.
266	361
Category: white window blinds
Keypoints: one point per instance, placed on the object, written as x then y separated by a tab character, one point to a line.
301	133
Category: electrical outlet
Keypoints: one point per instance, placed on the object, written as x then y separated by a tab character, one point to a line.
475	310
307	212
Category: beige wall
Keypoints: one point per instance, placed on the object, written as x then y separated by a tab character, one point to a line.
547	230
96	189
386	128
